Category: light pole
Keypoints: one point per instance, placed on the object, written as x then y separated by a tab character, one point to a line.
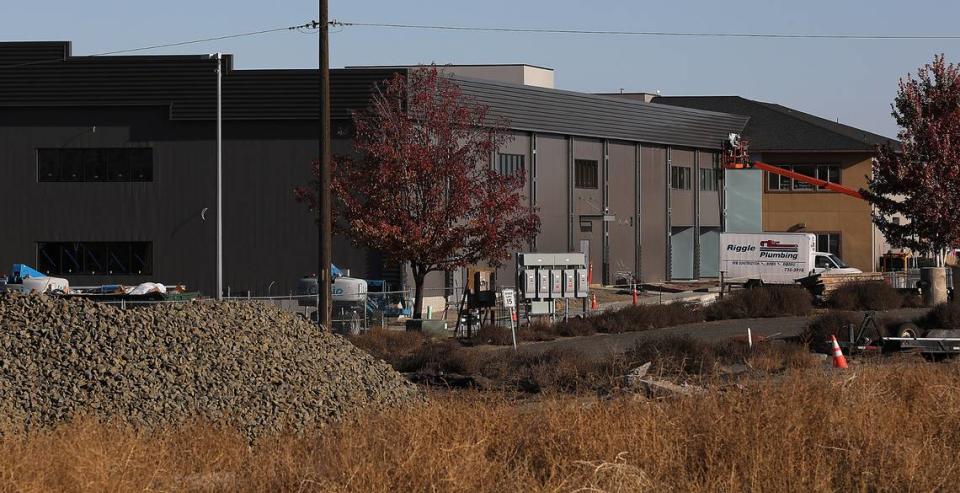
219	176
323	181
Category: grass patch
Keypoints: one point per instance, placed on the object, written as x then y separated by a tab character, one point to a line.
832	323
865	295
810	431
945	316
389	345
765	302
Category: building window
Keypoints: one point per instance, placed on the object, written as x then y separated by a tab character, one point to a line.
586	226
128	164
680	178
829	243
828	173
509	164
95	258
825	172
585	173
709	179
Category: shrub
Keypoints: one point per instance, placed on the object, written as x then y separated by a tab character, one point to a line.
678	354
763	302
945	316
388	345
537	331
446	356
556	370
492	334
834	322
632	319
865	295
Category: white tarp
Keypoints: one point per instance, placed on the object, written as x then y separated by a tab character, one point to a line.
148	287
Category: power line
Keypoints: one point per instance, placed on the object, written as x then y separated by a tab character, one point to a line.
646	33
299	28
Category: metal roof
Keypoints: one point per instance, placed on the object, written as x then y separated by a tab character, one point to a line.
773	127
45	74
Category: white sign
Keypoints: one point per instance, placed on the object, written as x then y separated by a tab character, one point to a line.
509	300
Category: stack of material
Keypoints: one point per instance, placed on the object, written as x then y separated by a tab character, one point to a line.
825	283
249	365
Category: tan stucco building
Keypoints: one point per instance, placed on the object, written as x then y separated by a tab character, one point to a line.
817	147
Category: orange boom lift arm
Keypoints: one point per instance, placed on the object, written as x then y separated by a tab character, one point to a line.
736	156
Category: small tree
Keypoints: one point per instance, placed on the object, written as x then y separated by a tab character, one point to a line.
420	187
921	180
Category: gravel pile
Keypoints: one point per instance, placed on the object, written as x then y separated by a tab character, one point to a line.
247	364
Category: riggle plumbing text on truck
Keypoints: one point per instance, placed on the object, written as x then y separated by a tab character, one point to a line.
774	258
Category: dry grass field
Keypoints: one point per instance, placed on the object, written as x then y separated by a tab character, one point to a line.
891	426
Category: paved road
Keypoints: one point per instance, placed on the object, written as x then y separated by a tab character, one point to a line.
604	344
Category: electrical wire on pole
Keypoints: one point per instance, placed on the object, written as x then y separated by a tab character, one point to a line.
683	34
324	288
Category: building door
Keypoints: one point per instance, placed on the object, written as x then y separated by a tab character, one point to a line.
709	252
681	253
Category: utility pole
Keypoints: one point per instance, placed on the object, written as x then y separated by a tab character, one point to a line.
219	177
324	291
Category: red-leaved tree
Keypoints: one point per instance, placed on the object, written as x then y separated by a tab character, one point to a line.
420	187
921	180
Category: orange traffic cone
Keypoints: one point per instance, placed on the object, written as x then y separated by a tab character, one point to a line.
636	296
590	274
838	360
593	302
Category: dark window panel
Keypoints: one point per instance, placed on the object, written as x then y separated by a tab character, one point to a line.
71	259
95	165
586	173
141	165
48	258
95	258
71	165
48	165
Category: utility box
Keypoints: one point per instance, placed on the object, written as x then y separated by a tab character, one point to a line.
528	283
551	276
583	287
543	284
569	283
556	283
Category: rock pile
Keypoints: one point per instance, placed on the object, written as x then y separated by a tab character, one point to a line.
247	364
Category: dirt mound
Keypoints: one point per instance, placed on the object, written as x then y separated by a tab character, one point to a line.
253	366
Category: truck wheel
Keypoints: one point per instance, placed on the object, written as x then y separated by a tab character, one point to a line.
908	330
753	283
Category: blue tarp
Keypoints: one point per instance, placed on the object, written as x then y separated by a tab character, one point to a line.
335	272
23	272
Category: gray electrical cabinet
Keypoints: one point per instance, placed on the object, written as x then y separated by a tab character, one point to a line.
569	283
528	283
556	283
543	284
583	287
550	276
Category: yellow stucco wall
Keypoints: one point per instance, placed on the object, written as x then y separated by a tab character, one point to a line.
825	211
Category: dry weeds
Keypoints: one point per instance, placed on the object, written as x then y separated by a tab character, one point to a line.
892	427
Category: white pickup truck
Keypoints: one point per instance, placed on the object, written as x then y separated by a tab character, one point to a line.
775	258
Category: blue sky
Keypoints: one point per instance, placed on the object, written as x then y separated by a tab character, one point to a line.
850	80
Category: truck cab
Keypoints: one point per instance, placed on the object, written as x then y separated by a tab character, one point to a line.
832	264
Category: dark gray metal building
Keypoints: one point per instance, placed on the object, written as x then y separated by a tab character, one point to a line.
109	173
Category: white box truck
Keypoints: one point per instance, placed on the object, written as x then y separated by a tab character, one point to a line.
775	258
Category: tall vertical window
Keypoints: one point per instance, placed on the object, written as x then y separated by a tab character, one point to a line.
95	258
681	178
509	164
709	179
126	164
829	243
585	173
